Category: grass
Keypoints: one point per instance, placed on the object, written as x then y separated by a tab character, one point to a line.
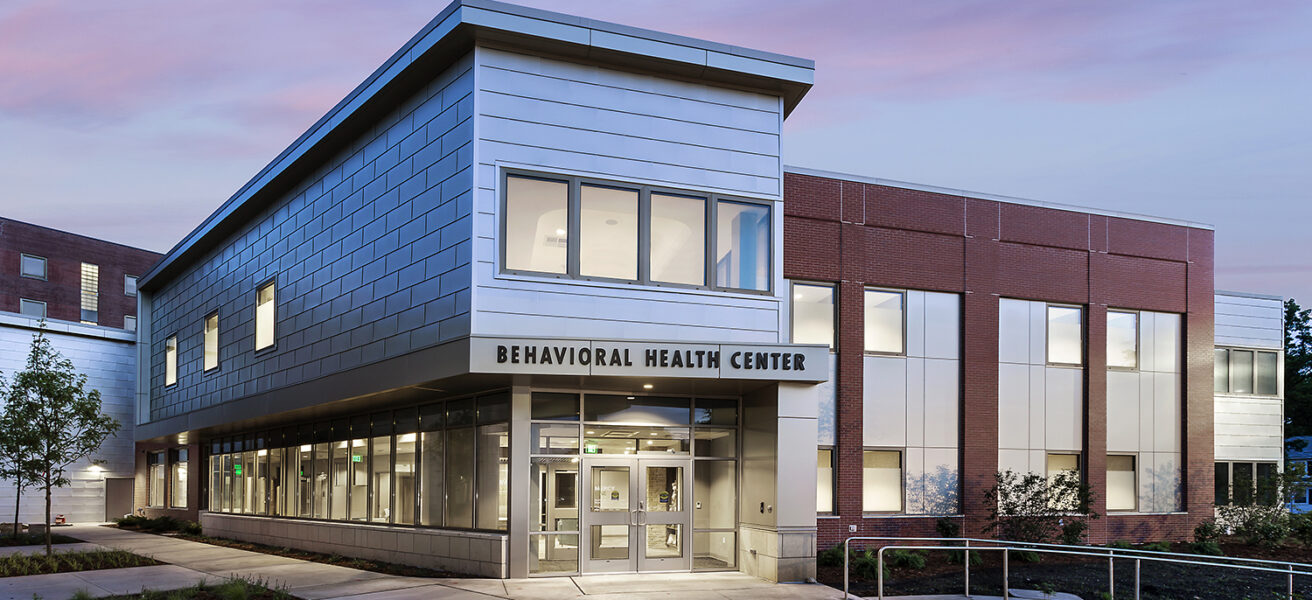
16	565
35	539
232	589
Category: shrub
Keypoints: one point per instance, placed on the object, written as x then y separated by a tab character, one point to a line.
190	528
1209	548
1257	524
1120	545
909	559
866	565
1207	531
1300	526
947	527
130	521
1032	507
956	556
832	557
1162	546
1027	556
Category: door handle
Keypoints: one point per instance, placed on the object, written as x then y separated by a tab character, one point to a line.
633	518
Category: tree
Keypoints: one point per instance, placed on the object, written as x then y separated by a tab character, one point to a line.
1298	369
16	444
50	405
1031	507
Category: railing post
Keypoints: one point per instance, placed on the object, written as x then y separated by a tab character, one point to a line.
847	552
1006	577
1291	582
967	561
1111	574
1136	579
879	576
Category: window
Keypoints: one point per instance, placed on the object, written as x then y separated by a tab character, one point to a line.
1122	487
32	266
212	342
90	293
882	481
130	323
130	285
824	492
1246	372
742	245
1065	335
155	473
575	227
884	318
1057	464
178	478
32	308
1247	483
1122	340
264	311
1222	484
813	314
171	360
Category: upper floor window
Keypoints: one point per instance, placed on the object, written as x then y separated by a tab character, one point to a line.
1122	339
576	227
1246	372
212	341
32	266
130	285
171	360
32	308
90	293
813	314
264	305
885	316
1065	335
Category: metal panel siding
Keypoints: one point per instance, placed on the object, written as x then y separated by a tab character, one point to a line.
1249	322
370	255
557	116
1249	428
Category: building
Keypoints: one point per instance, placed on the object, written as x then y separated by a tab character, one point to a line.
1299	451
82	290
539	297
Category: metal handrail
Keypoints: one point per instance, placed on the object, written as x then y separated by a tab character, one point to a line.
1006	546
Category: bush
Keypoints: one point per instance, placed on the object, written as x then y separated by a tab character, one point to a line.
947	527
130	521
1209	548
1257	524
1207	531
1027	556
1072	532
158	524
190	528
1162	546
908	559
832	557
1120	545
956	556
1300	526
866	565
1031	507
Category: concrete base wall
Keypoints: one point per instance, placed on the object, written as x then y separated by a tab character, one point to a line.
778	556
473	553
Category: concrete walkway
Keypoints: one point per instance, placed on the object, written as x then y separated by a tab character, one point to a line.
192	562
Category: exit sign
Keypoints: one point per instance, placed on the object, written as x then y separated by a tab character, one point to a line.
237	468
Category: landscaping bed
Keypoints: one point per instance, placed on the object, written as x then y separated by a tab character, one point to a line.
1086	577
35	539
16	565
233	589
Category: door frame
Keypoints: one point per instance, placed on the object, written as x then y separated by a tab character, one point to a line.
637	517
681	518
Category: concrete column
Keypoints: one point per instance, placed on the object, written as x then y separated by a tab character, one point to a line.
519	509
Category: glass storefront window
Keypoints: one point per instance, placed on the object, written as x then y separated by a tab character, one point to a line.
718	443
432	498
610	439
155	469
380	469
460	477
304	469
277	501
493	461
555	407
636	409
824	491
553	553
322	453
341	490
716	411
407	441
552	438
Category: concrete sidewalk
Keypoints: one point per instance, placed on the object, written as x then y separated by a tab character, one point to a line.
192	562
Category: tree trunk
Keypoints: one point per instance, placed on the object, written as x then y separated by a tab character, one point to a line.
49	552
18	499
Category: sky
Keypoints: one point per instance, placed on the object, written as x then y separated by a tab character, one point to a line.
132	120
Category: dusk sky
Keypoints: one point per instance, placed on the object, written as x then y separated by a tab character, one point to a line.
132	120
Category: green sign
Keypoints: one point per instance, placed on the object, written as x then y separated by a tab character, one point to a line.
237	468
357	457
591	448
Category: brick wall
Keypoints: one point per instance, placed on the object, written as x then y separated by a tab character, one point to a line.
62	289
860	234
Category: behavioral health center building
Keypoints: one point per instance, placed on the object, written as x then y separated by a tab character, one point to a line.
539	297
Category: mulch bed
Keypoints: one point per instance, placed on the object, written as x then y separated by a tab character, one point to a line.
1087	577
227	590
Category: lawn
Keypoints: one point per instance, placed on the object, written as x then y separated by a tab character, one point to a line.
35	539
16	565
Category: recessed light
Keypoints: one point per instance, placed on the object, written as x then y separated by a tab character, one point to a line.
591	432
653	433
646	386
629	398
560	232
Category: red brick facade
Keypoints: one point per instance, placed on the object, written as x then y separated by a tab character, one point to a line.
858	234
61	290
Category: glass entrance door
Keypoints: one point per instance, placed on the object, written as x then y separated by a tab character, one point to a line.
636	517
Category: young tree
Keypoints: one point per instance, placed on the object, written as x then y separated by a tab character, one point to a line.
1298	369
16	444
48	402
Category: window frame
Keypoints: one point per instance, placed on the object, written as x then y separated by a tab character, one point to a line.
1134	458
574	185
1252	384
1138	343
792	315
1047	335
174	339
45	267
273	345
174	457
866	351
161	461
45	308
204	322
833	480
1081	470
901	480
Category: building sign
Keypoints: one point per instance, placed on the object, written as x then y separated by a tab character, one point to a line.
650	359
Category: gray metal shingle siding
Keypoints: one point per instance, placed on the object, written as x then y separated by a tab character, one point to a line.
371	257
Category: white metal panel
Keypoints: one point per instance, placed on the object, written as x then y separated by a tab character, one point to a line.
1147	410
1017	461
1147	349
942	325
913	477
918	410
1166	412
915	323
1064	409
941	484
827	411
1122	411
1013	406
1144	465
941	403
1038	333
884	401
1166	342
1038	407
1013	331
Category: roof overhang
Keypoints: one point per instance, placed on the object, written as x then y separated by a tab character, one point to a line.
450	35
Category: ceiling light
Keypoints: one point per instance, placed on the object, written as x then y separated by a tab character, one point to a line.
797	296
629	398
646	386
591	432
560	232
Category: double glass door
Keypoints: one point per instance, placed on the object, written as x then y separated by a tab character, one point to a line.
636	515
